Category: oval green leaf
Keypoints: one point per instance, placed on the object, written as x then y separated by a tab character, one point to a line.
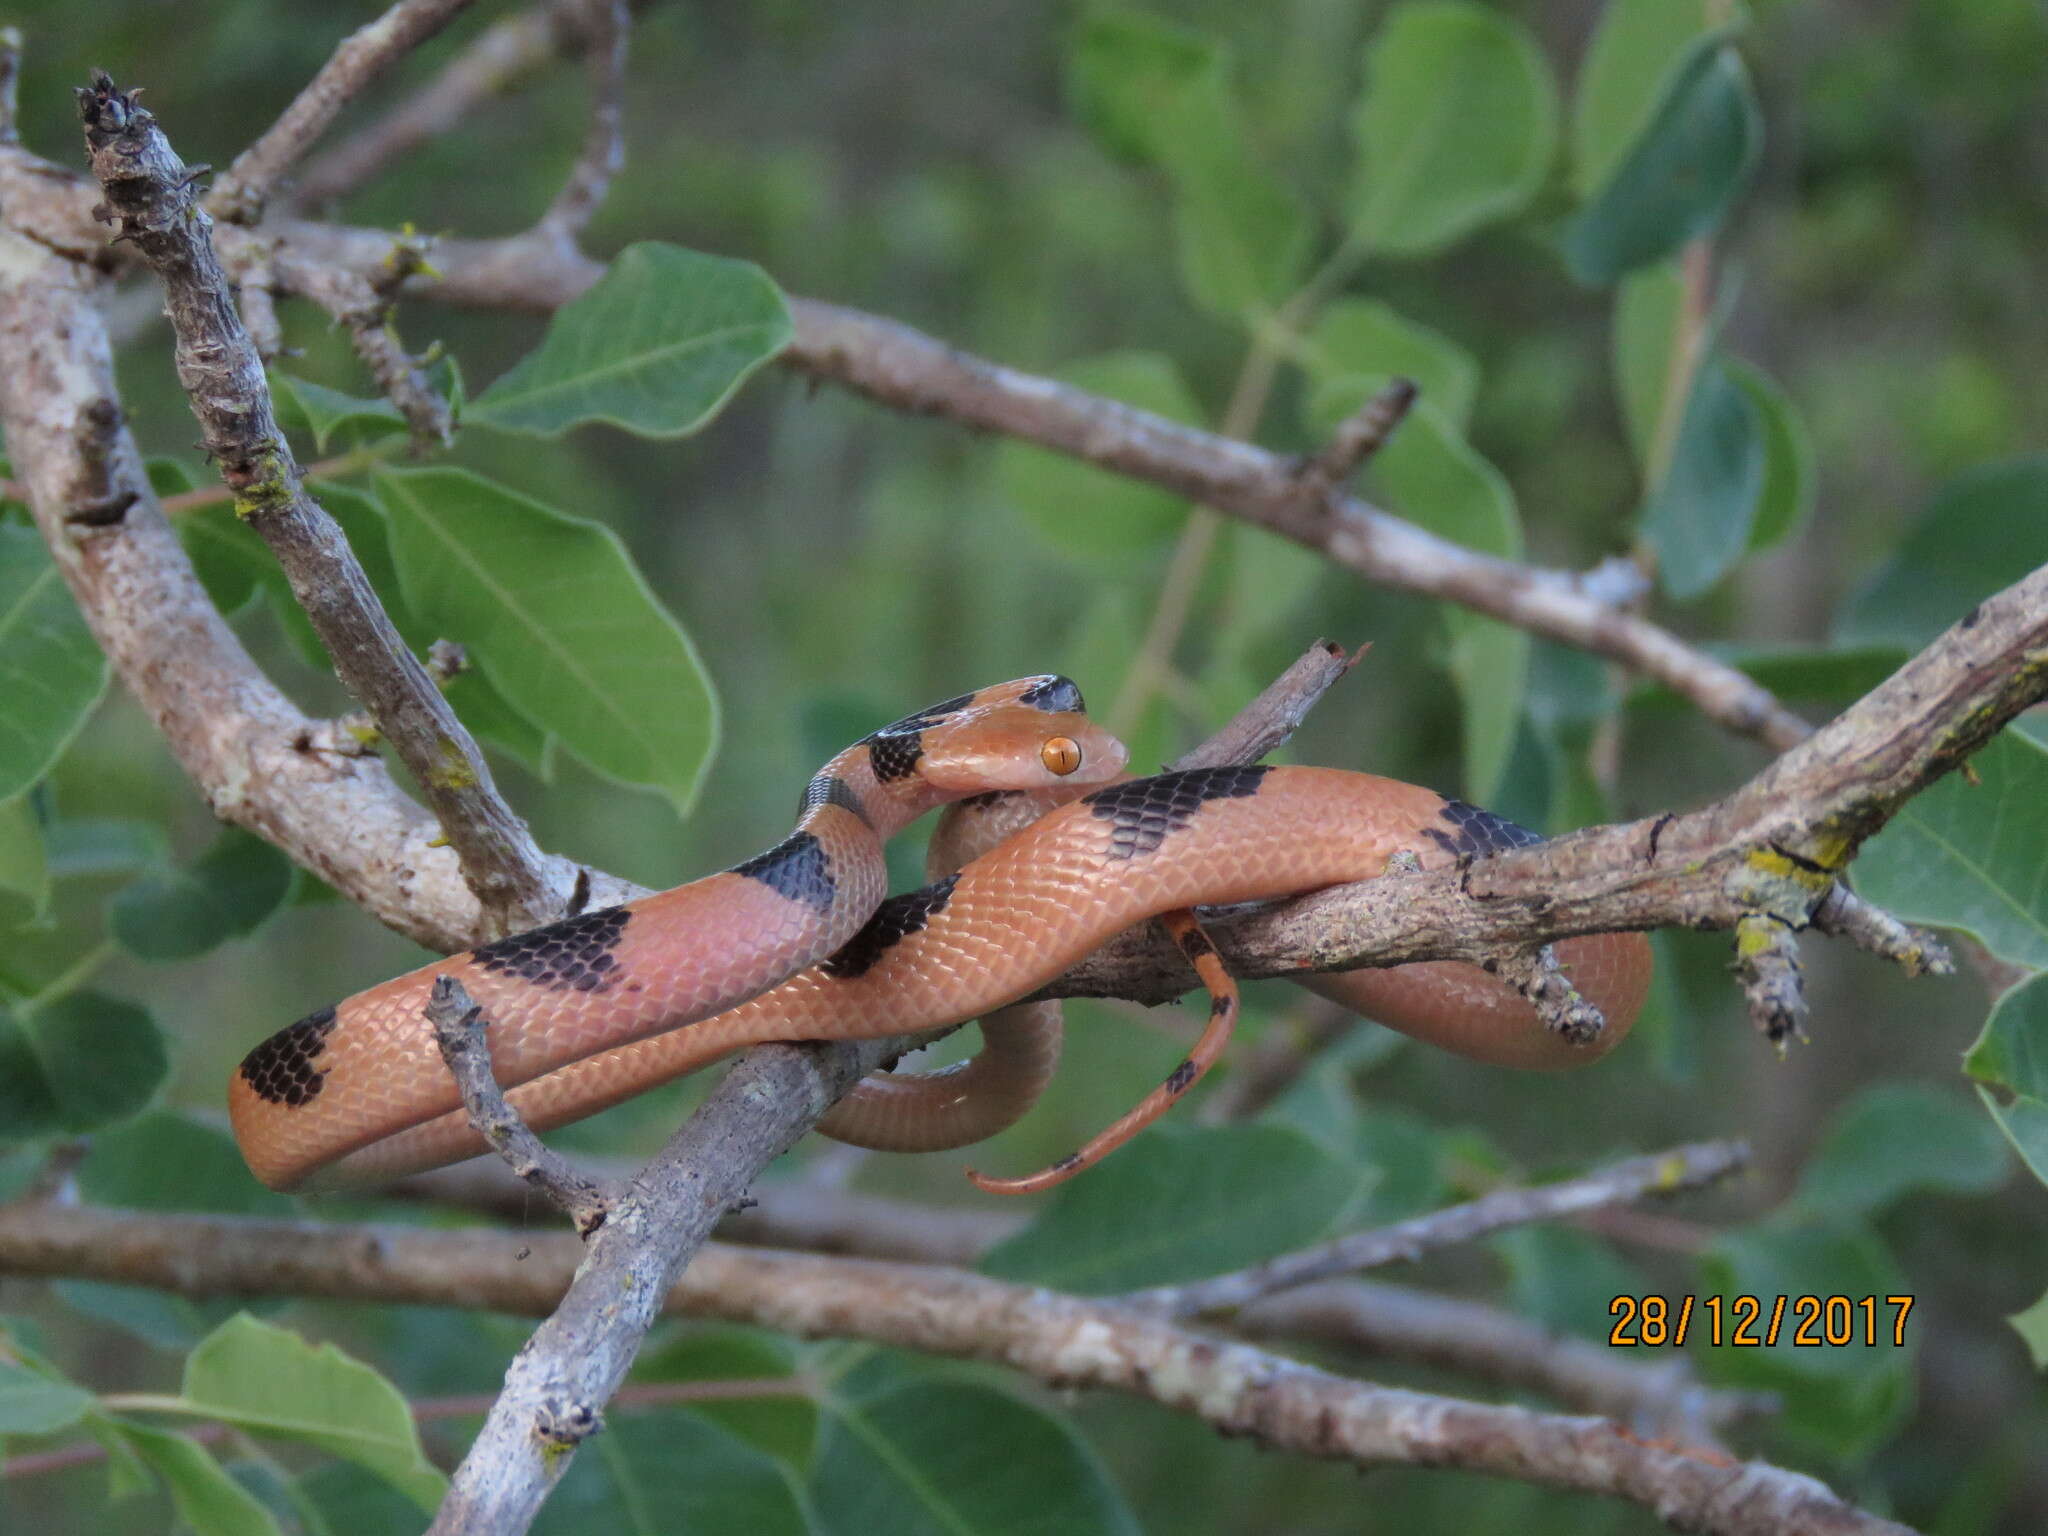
328	414
1842	1401
2012	1050
1680	176
1787	495
1177	1205
51	671
24	863
76	1063
650	1474
1984	530
1699	516
1457	127
271	1382
657	346
557	617
1158	93
1968	856
34	1404
227	893
1636	47
997	1466
2024	1120
208	1500
1895	1138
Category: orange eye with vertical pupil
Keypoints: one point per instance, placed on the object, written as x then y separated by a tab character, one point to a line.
1061	755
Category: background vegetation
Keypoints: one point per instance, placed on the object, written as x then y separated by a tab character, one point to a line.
1245	216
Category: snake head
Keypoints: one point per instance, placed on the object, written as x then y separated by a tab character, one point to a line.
1030	734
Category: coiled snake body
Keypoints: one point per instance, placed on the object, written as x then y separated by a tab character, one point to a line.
359	1092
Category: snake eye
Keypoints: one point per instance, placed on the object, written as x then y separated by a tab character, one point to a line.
1061	755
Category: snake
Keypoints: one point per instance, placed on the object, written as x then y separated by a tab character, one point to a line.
308	1100
598	1008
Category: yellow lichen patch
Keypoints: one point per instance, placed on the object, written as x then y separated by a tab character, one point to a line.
455	771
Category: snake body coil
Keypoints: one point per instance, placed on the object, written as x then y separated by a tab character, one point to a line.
359	1093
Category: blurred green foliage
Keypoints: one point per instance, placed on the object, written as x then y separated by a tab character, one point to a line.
1751	294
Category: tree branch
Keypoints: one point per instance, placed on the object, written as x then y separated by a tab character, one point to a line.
1059	1340
361	57
908	370
608	28
459	1030
1660	1173
149	193
1774	846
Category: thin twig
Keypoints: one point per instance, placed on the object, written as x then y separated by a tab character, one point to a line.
1060	1340
10	83
1664	1398
500	59
366	310
1264	725
149	195
1767	965
361	57
1687	1167
1847	915
775	1094
1357	438
903	368
608	30
460	1031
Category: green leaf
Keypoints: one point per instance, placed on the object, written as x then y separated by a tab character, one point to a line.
1699	517
227	893
1634	51
1087	512
1649	307
1435	478
76	1063
1985	529
657	346
786	1427
998	1465
1680	176
2032	1327
1969	856
51	672
328	413
24	866
1841	1402
1564	1279
1158	93
165	1161
650	1474
556	615
34	1404
1178	1204
270	1382
2024	1120
1457	128
207	1499
1358	344
1787	496
83	846
2012	1050
1894	1138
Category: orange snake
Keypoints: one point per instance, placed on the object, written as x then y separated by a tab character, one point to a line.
592	1010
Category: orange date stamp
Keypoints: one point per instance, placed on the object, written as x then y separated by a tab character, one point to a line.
1760	1322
